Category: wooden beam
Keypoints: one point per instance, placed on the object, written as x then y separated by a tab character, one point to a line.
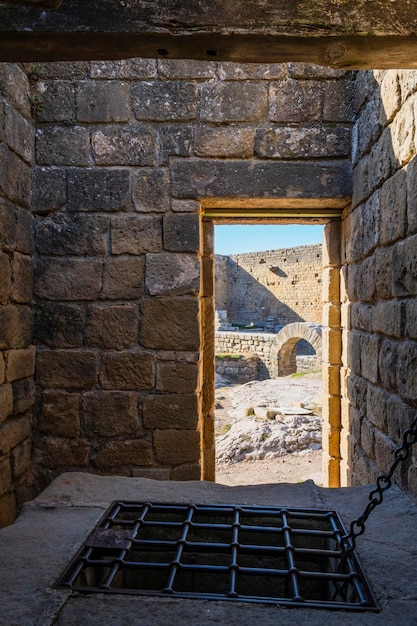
337	33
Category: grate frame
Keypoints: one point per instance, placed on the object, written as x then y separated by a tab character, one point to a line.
260	554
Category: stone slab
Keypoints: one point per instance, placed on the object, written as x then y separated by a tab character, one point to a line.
37	547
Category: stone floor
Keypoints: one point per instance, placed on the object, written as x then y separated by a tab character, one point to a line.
37	547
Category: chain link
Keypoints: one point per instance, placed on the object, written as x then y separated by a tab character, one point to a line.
383	482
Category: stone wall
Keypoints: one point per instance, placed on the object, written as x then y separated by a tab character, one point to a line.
379	283
17	354
238	368
275	287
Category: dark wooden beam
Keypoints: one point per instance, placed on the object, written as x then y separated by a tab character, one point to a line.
337	33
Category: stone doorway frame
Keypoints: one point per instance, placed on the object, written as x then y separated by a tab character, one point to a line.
333	441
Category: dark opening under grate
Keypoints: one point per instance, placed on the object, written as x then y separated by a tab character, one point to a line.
291	557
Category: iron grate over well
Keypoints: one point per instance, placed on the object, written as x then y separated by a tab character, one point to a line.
286	556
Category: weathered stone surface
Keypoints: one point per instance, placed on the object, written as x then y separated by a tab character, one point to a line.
6	401
388	318
388	364
390	96
393	208
110	413
13	432
20	363
133	146
48	189
407	372
248	71
59	414
67	369
20	458
171	273
225	141
2	369
58	101
384	272
124	453
156	473
174	410
404	262
123	278
68	279
165	101
5	476
22	286
233	102
150	190
126	69
366	280
384	451
411	319
178	316
8	509
132	370
20	134
98	190
402	132
188	471
15	326
14	177
182	68
174	140
174	447
301	143
111	326
296	101
354	351
102	101
23	395
24	234
176	377
60	325
337	105
56	452
367	440
400	417
181	232
5	277
371	223
194	179
73	234
376	407
8	222
412	196
136	234
63	146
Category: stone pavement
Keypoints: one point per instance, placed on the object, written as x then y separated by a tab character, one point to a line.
37	547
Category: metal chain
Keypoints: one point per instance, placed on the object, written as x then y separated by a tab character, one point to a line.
383	482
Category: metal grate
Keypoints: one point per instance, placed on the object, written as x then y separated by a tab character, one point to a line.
285	556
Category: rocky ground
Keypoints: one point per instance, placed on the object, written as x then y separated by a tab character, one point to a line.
269	431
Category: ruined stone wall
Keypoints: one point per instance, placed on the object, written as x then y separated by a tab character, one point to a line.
17	354
379	287
277	287
123	151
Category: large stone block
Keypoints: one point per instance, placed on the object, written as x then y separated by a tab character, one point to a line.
393	208
181	232
233	102
123	278
5	476
210	178
384	272
59	325
24	235
133	146
8	509
248	71
402	132
366	287
188	471
127	69
110	414
388	318
174	447
22	286
5	277
112	326
371	223
15	177
98	190
337	106
224	142
404	261
124	454
165	101
173	410
20	458
296	101
73	234
172	273
178	317
384	451
63	146
129	370
58	101
8	225
16	326
185	68
59	414
368	438
383	162
390	97
388	364
174	140
354	352
49	189
67	369
57	452
377	407
151	190
301	143
176	377
411	319
6	401
13	432
407	372
412	196
68	279
136	234
19	134
2	369
20	363
23	395
102	101
400	417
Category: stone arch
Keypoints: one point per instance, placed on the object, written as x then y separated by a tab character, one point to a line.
284	346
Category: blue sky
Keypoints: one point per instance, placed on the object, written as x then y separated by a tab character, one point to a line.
244	238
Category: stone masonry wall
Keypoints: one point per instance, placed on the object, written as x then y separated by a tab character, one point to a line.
379	293
124	151
277	287
17	354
